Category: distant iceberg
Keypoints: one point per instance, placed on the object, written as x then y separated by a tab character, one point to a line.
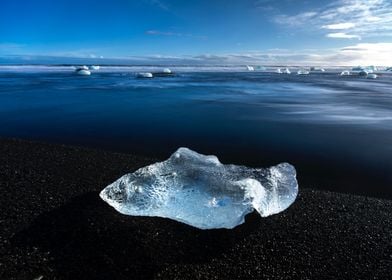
284	71
302	72
250	68
345	73
167	71
144	75
363	71
202	192
93	67
317	69
83	71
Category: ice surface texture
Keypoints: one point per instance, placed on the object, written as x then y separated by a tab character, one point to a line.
202	192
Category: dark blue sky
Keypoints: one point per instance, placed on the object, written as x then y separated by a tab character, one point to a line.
120	28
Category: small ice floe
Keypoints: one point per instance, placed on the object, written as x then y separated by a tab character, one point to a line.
279	71
83	71
363	73
166	72
302	72
317	69
345	73
286	71
83	67
202	192
372	76
144	75
261	68
250	68
93	67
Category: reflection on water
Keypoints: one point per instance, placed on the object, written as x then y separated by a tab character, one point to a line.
336	130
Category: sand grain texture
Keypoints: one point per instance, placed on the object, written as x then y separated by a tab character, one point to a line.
53	224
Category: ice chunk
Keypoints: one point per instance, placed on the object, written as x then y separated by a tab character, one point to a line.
144	75
83	72
202	192
302	72
345	73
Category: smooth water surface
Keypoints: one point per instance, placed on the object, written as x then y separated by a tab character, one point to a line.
336	131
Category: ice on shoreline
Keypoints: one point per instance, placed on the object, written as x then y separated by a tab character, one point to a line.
200	191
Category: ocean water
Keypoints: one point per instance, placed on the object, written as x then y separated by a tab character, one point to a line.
337	131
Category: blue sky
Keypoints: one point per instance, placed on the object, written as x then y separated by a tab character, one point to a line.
203	31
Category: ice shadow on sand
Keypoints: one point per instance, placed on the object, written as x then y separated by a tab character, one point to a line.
88	239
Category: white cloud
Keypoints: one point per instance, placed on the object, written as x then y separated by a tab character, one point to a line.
296	20
369	54
344	25
342	35
362	18
359	54
160	4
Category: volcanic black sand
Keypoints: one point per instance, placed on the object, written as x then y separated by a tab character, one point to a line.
53	225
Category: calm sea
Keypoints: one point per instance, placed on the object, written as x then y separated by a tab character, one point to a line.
337	131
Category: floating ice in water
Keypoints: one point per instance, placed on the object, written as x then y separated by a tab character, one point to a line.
363	73
285	71
202	192
345	73
83	72
83	67
93	67
372	76
302	72
144	75
317	69
250	68
166	72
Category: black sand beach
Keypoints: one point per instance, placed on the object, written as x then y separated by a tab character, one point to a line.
53	225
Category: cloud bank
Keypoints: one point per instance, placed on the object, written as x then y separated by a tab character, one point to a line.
359	19
356	54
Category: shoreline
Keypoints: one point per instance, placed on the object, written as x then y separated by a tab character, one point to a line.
53	224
